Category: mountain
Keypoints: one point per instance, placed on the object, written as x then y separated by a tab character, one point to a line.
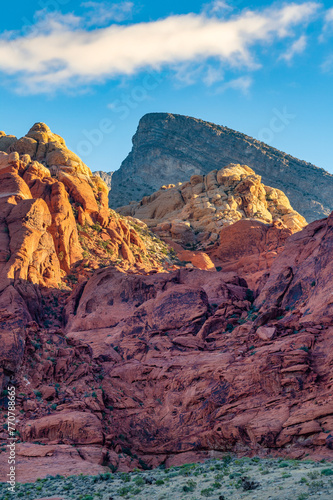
171	148
105	176
194	212
123	357
228	214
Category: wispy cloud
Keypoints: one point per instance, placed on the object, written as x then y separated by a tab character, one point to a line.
102	13
296	48
327	65
242	84
216	8
328	26
212	75
329	16
62	54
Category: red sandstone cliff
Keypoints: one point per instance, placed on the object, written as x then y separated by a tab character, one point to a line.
136	362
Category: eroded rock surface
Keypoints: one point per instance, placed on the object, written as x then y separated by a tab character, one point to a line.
121	360
194	212
105	176
228	217
169	148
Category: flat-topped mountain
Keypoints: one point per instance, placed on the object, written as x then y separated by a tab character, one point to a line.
171	148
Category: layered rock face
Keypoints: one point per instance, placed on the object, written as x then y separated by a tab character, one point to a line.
194	212
239	223
221	374
174	367
55	230
123	360
249	247
171	148
301	279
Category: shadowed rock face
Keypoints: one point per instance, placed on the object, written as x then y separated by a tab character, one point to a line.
301	278
171	148
182	364
136	366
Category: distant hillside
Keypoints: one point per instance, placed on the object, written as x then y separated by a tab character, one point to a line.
105	176
170	148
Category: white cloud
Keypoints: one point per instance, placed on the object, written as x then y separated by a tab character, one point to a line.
213	75
329	16
217	7
63	54
328	26
243	84
297	47
327	65
101	13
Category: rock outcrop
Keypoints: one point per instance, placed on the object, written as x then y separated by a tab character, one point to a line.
61	215
171	148
234	220
123	360
105	176
249	247
55	231
6	141
194	212
301	278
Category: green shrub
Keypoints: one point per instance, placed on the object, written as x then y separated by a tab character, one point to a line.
327	472
207	492
189	486
125	490
126	477
96	227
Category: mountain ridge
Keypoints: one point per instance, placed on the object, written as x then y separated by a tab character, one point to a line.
169	148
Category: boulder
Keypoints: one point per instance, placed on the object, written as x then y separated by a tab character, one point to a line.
71	427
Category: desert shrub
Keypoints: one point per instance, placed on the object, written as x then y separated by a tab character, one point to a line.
189	486
327	472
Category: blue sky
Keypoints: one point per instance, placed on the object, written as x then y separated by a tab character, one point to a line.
90	70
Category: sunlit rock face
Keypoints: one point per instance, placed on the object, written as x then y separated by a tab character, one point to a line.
168	149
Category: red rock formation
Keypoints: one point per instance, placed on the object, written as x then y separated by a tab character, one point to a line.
228	214
61	195
181	364
27	249
136	366
301	279
249	247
